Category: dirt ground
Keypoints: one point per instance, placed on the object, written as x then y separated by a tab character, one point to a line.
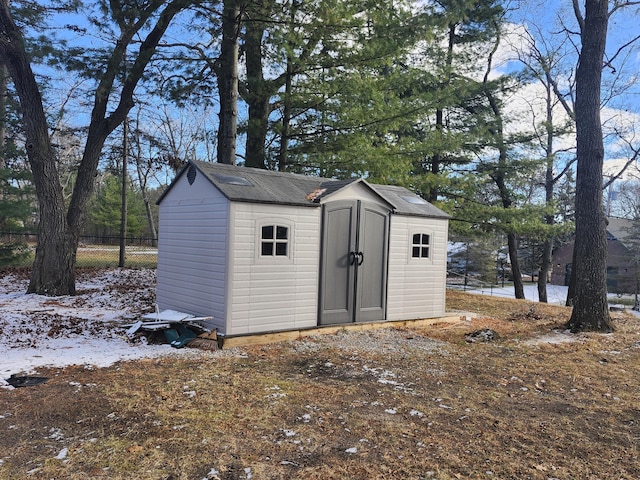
536	403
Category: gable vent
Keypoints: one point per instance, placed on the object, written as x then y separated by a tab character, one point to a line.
191	174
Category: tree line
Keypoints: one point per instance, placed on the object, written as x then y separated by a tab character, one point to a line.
419	94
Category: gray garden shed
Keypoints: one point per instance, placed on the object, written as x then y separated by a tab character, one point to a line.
263	251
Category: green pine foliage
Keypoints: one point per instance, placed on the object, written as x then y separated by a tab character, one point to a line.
16	214
350	99
16	199
105	211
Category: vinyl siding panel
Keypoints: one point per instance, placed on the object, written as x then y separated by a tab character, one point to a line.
416	286
192	250
277	293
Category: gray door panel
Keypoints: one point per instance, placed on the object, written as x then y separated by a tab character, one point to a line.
337	274
353	276
372	271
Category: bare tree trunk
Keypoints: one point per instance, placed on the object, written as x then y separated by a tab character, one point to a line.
259	90
53	271
518	285
150	221
124	210
436	160
549	182
142	180
4	77
505	198
283	154
545	267
283	164
499	174
590	309
571	291
228	82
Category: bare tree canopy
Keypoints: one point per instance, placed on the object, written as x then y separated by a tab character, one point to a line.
53	271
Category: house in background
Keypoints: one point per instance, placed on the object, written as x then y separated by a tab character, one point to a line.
622	273
265	251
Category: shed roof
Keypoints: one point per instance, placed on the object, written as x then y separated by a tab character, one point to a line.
254	185
408	203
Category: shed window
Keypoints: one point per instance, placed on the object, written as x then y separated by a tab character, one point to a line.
420	245
274	241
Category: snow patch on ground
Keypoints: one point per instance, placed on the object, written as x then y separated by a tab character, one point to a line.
554	338
85	329
556	294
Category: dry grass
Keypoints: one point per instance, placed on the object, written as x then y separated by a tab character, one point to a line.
511	409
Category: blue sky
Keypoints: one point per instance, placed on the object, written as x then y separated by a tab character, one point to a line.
548	22
546	19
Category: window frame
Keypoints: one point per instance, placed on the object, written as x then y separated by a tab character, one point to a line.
411	245
276	223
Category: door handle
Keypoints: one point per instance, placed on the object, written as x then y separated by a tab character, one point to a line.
356	258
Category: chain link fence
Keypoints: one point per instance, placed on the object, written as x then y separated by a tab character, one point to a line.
18	249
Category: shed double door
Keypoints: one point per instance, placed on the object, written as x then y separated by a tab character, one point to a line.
353	273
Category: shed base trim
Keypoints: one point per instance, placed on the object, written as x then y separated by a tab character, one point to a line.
294	334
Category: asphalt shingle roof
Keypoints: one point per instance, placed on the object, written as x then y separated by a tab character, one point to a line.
253	185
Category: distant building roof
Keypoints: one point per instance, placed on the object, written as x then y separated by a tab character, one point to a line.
620	229
254	185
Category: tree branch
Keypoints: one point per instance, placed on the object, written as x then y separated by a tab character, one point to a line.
628	163
618	5
578	14
622	47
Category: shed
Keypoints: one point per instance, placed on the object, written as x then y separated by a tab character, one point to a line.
264	251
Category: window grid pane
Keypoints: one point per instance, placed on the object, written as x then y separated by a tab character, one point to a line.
267	249
267	232
274	241
282	233
420	245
